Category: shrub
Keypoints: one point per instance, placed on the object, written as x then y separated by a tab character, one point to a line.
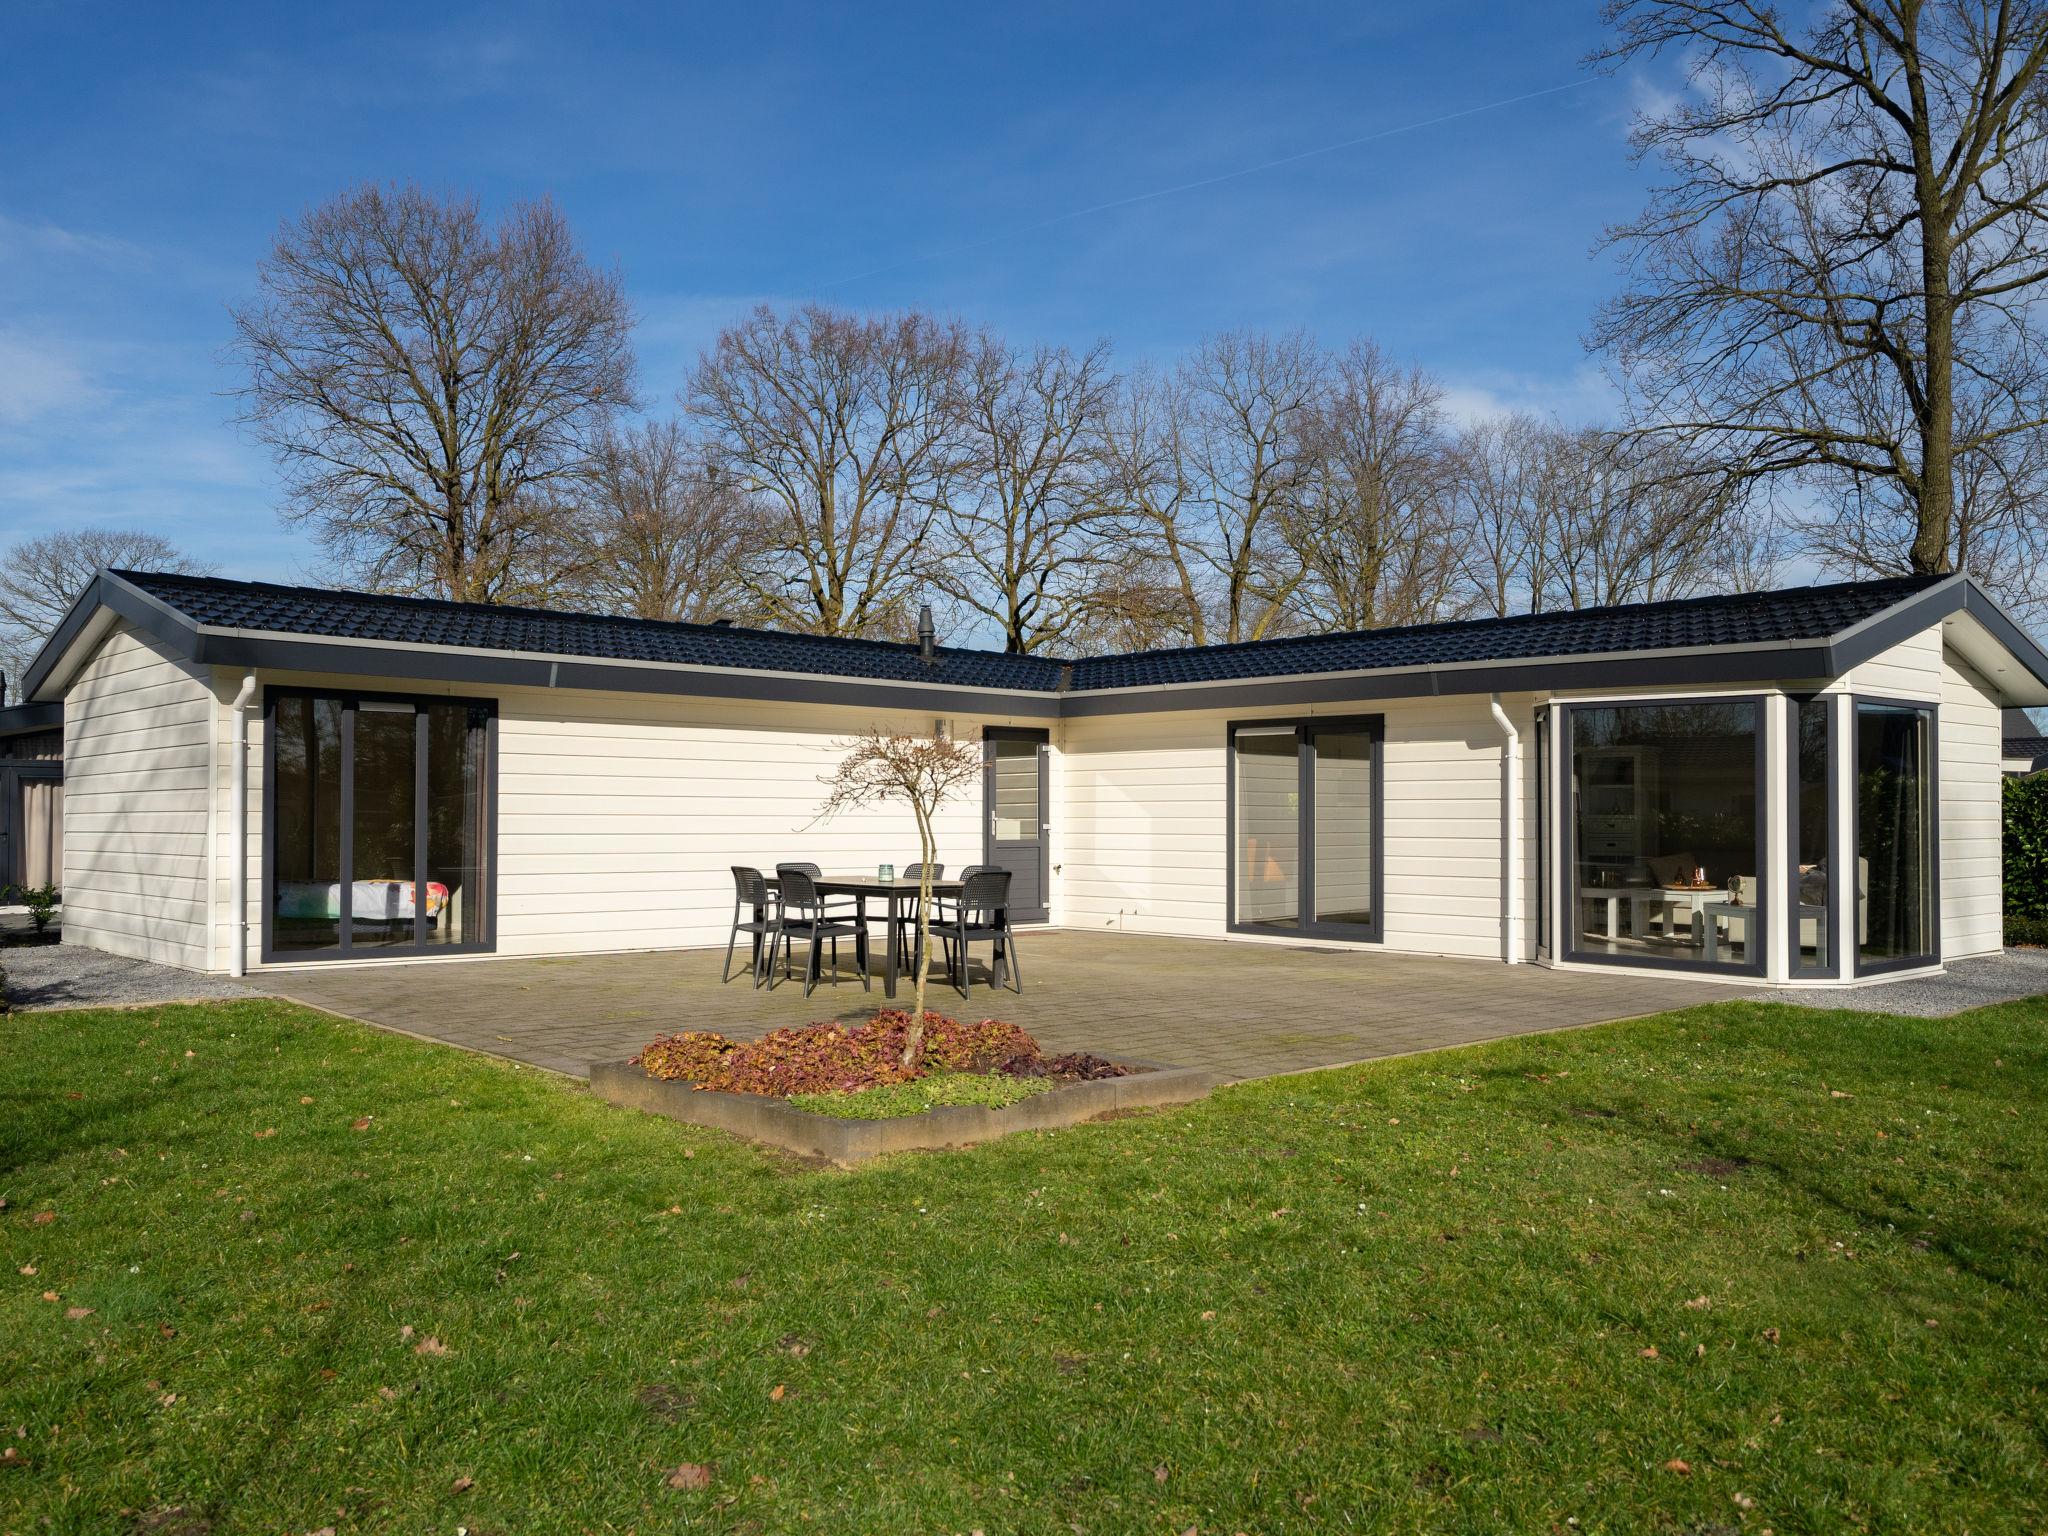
820	1058
951	1046
42	902
915	1097
2026	848
3	991
2032	931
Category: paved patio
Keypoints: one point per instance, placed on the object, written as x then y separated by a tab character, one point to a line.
1245	1010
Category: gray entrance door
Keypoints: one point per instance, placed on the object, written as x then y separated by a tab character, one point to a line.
1015	833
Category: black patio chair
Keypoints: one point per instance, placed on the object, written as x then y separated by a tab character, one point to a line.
802	914
832	903
982	914
750	893
906	927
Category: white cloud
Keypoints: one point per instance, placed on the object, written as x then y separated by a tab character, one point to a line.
1582	397
39	375
26	239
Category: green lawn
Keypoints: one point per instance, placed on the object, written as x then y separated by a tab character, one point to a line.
340	1278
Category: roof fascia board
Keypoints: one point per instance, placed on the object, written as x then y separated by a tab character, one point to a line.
1986	610
482	669
54	664
1658	669
1870	638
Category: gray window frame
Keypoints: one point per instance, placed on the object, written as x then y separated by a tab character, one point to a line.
1373	726
1568	838
487	940
1828	965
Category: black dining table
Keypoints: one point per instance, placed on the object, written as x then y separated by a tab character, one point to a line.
899	897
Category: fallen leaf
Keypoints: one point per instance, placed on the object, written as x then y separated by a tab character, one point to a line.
1208	1317
1648	1352
305	1098
389	1394
51	1296
405	1333
44	1218
1683	1469
462	1485
1836	1093
167	1330
1770	1335
1743	1501
75	1313
1698	1304
430	1346
775	1396
265	1135
12	1458
360	1125
168	1398
690	1476
28	1269
1159	1473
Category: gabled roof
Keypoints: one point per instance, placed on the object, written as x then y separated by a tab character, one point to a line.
1805	633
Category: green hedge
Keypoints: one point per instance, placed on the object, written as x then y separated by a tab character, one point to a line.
2026	860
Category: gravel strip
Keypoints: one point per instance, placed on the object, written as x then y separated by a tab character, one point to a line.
72	976
2001	978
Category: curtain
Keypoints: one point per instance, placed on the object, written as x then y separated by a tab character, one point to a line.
40	858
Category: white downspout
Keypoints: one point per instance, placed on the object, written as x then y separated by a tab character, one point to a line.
238	877
1511	836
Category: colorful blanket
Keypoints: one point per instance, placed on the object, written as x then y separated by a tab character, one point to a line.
387	901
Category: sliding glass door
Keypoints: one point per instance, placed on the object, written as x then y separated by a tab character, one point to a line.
1898	902
1305	828
379	825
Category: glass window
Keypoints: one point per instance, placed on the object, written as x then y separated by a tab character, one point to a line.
1016	807
456	822
1343	871
1896	921
1268	829
1812	795
1665	833
386	761
1543	940
306	824
379	816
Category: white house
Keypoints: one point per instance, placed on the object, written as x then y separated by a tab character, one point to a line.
1678	785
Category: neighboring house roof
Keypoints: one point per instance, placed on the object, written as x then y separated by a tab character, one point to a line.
25	719
2031	750
1800	633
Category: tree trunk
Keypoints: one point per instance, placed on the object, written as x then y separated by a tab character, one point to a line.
913	1043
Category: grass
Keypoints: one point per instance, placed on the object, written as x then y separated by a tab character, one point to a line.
1416	1296
888	1100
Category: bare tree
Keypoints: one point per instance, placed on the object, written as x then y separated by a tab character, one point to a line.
660	534
922	772
1248	442
41	578
430	382
1501	470
1374	529
1839	280
1026	535
1156	586
843	427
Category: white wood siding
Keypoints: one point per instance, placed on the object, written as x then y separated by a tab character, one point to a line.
620	816
136	730
1912	669
1143	816
1972	813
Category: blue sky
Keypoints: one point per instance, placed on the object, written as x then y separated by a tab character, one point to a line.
954	157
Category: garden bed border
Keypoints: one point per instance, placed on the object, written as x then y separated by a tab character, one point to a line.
758	1117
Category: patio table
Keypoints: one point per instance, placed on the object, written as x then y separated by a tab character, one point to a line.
897	895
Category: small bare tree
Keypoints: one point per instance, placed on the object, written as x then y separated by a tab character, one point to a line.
922	772
41	578
429	382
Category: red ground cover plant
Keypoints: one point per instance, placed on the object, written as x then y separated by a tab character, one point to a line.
829	1058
